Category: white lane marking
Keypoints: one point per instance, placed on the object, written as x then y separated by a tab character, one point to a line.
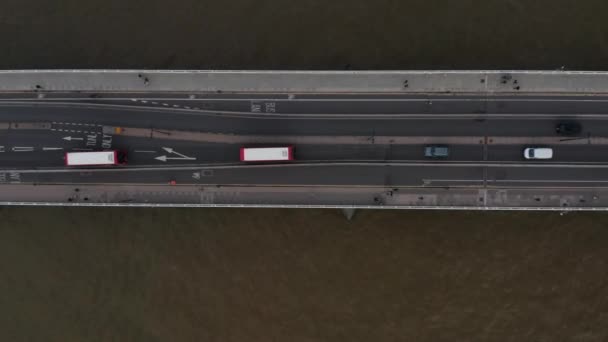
72	138
345	99
53	129
15	177
22	149
1	149
52	148
165	158
427	181
452	180
545	181
166	104
139	151
82	149
172	151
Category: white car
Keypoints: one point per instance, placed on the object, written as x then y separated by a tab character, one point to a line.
538	153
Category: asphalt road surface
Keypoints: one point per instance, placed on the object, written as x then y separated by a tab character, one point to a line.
474	123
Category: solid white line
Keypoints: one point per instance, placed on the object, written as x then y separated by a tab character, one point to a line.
144	151
184	158
451	180
546	181
82	149
422	98
22	149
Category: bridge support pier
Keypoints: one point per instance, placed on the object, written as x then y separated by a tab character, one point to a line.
349	213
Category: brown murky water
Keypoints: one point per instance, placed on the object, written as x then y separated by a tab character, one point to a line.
302	275
307	34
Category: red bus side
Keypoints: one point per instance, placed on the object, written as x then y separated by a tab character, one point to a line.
290	152
242	153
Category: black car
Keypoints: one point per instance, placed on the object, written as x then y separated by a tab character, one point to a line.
568	128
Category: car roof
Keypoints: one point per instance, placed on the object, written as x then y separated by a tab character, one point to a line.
542	152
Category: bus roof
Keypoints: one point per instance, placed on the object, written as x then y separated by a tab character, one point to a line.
90	158
267	153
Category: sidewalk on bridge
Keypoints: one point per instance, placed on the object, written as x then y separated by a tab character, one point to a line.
195	81
328	197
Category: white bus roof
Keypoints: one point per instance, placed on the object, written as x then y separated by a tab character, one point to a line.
90	158
265	153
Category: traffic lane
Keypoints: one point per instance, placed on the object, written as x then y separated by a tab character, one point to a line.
547	177
345	175
34	148
32	159
366	105
25	142
384	152
285	126
38	139
145	151
561	153
239	125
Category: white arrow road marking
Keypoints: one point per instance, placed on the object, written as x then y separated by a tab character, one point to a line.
22	149
165	158
170	150
72	138
52	148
